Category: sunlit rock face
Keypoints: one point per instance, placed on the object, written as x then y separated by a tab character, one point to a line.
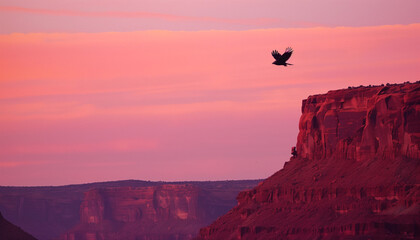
355	173
361	124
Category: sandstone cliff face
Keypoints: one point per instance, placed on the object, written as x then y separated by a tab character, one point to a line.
361	124
50	212
155	213
355	174
151	204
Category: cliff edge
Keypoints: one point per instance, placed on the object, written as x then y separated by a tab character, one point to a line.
354	173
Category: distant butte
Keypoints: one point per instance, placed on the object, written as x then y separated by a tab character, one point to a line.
355	173
162	212
123	210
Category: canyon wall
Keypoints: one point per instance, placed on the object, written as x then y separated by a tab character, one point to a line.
48	212
153	213
73	211
354	174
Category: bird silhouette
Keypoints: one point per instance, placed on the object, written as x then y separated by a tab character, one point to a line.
282	59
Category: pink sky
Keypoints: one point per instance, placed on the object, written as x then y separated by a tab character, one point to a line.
92	105
134	15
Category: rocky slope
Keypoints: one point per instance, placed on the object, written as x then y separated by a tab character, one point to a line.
9	231
355	173
50	212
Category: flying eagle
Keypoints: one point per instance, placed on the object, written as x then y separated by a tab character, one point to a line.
281	59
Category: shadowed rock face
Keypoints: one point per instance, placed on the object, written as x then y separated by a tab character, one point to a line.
154	213
149	204
158	212
355	174
47	212
90	211
9	231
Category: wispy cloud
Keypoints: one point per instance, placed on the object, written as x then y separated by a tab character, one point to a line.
256	22
13	164
116	145
189	15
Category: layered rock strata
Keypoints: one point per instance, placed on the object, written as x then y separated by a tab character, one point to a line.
355	173
152	213
50	212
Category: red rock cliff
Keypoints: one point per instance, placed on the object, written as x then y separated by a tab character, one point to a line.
355	173
156	203
168	211
49	212
361	124
155	212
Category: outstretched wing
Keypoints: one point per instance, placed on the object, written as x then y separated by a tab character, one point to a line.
286	55
276	55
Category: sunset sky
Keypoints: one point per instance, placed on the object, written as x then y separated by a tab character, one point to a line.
171	90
